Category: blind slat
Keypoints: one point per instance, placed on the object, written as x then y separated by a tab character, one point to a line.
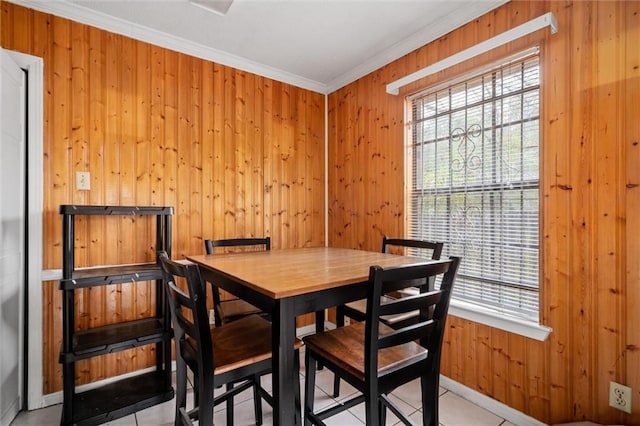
474	156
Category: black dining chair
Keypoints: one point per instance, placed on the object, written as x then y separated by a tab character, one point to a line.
232	308
236	354
375	358
357	310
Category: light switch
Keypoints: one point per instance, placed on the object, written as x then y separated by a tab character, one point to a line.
83	181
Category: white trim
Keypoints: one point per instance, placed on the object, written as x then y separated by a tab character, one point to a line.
496	407
35	87
326	170
417	40
548	19
51	274
11	411
78	13
493	318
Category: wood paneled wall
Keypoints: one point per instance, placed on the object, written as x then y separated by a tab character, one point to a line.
590	213
236	154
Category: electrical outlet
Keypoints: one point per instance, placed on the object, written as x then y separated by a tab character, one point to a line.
212	316
83	181
620	397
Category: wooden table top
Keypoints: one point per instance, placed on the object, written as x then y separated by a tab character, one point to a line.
292	272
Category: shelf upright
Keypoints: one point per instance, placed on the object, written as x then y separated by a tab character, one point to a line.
123	397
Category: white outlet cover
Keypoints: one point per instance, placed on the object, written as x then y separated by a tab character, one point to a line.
83	181
620	397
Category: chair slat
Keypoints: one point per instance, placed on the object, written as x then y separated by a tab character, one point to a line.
406	334
410	303
233	309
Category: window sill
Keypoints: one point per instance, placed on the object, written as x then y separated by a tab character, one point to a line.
499	320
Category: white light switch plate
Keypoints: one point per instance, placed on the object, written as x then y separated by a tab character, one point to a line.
83	181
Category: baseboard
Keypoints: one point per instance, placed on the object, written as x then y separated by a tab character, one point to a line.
496	407
10	412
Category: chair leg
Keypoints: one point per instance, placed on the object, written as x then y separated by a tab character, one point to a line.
229	406
336	386
181	387
339	316
339	323
309	386
382	412
205	399
296	360
372	410
429	401
320	327
257	400
196	389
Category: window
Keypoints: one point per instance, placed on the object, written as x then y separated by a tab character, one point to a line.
473	164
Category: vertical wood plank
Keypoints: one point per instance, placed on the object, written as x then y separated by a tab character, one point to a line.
556	184
219	171
606	256
631	153
208	152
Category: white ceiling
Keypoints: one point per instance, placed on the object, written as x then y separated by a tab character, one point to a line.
320	45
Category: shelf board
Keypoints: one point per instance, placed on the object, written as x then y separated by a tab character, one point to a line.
115	210
107	275
115	337
120	398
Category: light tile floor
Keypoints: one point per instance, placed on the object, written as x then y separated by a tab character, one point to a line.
454	410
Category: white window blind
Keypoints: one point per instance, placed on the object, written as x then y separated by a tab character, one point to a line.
473	162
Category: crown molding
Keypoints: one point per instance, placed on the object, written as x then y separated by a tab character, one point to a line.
413	42
109	23
78	13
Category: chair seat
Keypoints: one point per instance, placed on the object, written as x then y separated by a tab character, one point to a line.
232	310
361	307
239	343
344	347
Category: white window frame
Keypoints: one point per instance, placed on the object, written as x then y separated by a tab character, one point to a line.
486	315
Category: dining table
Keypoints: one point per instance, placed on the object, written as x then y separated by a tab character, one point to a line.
290	282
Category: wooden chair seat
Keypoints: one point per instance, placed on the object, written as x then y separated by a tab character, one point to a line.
236	345
344	347
234	309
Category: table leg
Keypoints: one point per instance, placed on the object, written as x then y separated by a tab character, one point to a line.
284	374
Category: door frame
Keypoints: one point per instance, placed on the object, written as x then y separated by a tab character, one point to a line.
34	66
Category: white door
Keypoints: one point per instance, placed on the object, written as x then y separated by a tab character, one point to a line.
12	234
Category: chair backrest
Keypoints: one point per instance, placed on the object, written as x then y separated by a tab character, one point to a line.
435	247
422	248
210	245
433	307
246	244
188	311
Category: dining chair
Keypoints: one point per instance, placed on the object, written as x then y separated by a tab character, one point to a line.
357	310
231	309
236	354
375	358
